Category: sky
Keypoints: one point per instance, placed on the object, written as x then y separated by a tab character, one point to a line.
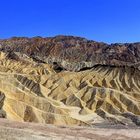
107	21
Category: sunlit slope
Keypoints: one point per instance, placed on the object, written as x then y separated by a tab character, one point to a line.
69	80
101	94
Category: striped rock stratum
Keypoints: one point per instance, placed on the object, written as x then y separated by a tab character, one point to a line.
67	80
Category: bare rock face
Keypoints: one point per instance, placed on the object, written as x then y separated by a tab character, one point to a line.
69	80
74	53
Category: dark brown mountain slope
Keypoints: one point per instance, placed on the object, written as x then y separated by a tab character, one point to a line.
74	53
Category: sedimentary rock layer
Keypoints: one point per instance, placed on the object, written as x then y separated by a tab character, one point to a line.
66	81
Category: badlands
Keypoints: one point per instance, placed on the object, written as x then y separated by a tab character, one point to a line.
70	81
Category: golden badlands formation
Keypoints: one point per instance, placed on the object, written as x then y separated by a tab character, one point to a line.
68	80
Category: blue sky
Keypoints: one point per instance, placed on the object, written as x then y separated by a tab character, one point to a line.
101	20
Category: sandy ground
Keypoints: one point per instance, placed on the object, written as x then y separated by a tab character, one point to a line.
11	130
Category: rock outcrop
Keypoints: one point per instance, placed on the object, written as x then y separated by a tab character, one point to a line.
74	53
69	80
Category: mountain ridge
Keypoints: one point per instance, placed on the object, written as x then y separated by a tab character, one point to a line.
69	81
75	53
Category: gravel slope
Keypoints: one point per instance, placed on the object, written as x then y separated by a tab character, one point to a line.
10	130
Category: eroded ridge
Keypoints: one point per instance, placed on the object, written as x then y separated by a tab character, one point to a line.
35	90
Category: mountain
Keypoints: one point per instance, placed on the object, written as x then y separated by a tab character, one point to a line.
67	80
